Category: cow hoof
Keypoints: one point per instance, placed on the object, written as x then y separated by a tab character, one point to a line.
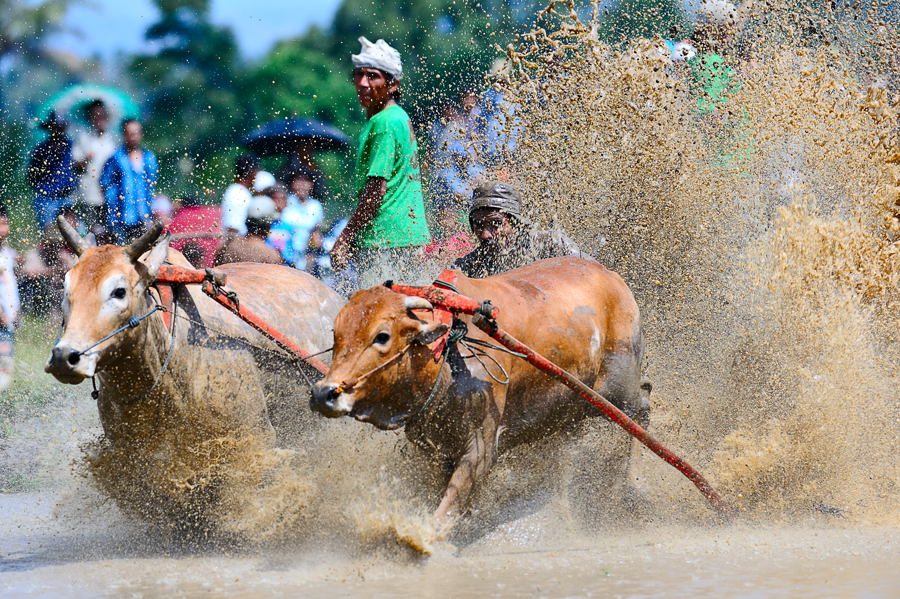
423	539
418	544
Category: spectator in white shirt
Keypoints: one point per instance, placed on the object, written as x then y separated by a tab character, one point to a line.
92	148
238	196
9	302
304	212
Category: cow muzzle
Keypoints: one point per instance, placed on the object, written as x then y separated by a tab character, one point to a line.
69	365
330	400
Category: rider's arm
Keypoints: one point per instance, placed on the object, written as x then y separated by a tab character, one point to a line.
368	206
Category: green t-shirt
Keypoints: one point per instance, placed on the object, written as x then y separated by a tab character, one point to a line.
388	149
715	80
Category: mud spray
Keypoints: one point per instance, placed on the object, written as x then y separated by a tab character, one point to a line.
760	237
761	240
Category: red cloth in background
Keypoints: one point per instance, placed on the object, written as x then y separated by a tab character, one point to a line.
198	219
448	250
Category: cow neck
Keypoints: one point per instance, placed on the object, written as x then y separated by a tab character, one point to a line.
136	369
440	349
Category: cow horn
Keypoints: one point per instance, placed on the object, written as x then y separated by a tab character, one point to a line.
417	303
144	242
71	236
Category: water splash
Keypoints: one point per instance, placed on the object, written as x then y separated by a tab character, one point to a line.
760	238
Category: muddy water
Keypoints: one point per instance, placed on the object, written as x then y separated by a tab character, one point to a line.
64	539
44	556
70	542
762	244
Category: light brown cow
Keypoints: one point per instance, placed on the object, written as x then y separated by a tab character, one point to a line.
577	313
162	395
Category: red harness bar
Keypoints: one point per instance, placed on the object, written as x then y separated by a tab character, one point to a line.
442	298
212	282
484	319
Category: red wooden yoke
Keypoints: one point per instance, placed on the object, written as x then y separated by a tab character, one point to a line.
212	283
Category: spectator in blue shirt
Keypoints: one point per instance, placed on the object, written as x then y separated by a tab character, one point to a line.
51	171
128	182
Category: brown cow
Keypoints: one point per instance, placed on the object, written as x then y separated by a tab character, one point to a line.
577	313
166	394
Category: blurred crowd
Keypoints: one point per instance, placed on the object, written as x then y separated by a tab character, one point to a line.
104	181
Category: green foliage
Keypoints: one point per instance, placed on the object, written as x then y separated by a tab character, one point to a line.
170	7
14	191
191	91
630	19
24	25
295	80
29	74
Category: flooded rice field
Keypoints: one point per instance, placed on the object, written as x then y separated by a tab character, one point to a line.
762	242
61	537
63	540
44	556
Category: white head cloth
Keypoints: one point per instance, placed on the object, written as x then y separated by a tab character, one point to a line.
263	181
379	55
718	12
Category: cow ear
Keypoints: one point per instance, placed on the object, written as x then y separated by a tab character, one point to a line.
156	257
429	332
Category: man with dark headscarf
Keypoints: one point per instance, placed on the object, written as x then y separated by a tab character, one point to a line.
51	171
506	239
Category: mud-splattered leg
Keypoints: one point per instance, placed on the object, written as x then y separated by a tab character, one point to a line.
479	456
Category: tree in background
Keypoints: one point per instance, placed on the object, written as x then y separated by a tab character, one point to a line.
298	79
29	73
195	115
630	19
25	25
295	79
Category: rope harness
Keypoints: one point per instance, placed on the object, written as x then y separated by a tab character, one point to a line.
458	333
348	386
129	324
132	323
213	285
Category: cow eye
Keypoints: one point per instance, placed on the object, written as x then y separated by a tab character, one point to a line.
381	338
119	293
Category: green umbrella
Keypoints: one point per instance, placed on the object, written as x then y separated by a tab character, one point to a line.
70	101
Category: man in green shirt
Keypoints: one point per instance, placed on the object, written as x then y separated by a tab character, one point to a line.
387	230
715	78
